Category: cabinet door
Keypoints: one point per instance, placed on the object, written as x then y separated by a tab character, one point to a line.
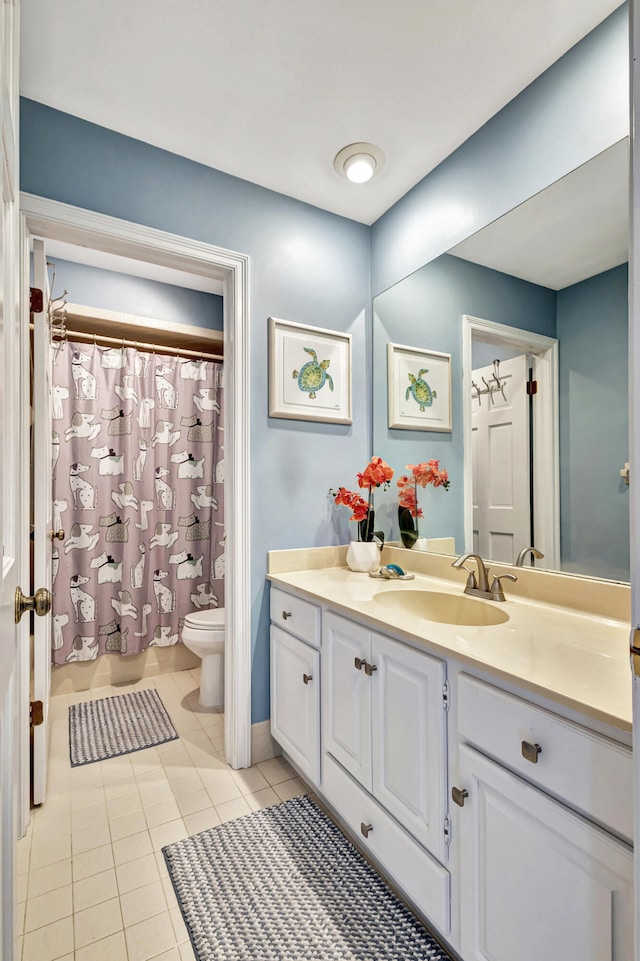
346	705
295	701
537	880
409	739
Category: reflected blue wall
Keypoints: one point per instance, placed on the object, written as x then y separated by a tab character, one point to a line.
594	425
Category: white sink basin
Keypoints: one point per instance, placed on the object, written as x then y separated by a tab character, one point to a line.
443	608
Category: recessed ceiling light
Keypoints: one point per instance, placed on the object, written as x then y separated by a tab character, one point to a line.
359	162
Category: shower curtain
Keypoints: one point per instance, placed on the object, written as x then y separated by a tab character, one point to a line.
138	471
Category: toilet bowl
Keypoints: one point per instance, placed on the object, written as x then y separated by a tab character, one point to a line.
203	633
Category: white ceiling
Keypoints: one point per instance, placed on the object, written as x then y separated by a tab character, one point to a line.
270	90
576	228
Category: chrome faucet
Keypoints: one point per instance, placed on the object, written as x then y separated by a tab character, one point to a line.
523	553
479	587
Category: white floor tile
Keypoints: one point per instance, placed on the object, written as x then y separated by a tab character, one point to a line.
112	948
135	874
262	799
100	887
250	780
92	862
97	922
290	789
161	813
50	942
233	809
276	770
49	850
202	820
130	848
141	903
168	833
89	838
47	908
192	803
149	938
221	787
127	824
46	879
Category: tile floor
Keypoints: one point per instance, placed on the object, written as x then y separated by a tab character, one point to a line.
92	883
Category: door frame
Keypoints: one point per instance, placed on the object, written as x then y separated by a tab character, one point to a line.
546	445
52	220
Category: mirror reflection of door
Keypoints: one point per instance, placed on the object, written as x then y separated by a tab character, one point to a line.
501	457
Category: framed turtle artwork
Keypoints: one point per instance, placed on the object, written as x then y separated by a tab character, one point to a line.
309	373
419	388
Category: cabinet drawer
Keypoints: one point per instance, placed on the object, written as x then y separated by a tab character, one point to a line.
425	882
296	615
587	771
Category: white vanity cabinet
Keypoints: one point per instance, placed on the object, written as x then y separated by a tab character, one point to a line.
384	720
295	680
537	878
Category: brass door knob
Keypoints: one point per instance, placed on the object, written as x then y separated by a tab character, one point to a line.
40	603
57	534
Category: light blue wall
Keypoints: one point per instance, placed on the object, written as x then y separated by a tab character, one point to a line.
594	425
111	290
307	266
425	310
575	110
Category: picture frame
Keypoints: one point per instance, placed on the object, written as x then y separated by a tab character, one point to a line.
415	401
309	373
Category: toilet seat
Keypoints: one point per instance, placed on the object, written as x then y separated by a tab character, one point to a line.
211	619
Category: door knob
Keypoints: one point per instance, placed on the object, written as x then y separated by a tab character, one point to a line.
56	534
40	603
459	794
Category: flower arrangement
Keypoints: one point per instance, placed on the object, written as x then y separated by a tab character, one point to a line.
421	475
376	474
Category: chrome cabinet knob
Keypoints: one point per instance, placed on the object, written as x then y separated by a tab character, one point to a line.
40	603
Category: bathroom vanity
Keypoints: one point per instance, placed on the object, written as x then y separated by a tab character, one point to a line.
484	765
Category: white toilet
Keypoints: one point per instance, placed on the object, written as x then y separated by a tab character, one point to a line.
203	633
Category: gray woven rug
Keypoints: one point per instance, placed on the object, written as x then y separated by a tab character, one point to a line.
284	883
117	725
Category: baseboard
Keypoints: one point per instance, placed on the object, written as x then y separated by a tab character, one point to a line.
120	669
263	745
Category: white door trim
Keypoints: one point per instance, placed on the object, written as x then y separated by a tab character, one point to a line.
57	221
546	480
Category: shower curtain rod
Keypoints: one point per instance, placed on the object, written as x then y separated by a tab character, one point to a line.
101	339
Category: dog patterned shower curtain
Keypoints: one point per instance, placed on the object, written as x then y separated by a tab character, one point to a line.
138	471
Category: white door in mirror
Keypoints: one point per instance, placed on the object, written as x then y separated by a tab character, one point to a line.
501	458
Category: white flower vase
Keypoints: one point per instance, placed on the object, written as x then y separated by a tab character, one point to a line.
363	556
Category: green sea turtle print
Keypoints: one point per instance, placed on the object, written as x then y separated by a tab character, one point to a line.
313	375
420	390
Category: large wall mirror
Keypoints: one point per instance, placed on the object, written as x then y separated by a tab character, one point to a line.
540	294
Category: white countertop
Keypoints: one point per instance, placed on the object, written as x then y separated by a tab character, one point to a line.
578	660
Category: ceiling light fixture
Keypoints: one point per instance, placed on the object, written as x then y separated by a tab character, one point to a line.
359	162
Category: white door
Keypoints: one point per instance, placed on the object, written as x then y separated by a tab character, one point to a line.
409	739
295	700
346	695
14	498
42	517
501	461
537	880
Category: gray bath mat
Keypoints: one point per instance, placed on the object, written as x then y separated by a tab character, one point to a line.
284	883
117	725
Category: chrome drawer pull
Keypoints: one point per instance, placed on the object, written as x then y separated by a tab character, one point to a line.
369	668
459	795
365	829
307	677
359	663
286	614
531	751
